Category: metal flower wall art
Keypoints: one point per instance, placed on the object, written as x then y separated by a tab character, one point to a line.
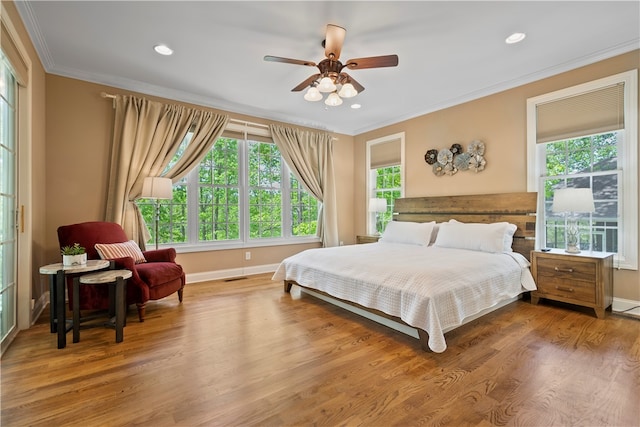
449	161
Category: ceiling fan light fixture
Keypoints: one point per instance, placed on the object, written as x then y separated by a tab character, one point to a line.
313	94
326	85
333	100
347	91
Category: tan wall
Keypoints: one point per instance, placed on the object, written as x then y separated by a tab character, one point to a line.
500	121
79	134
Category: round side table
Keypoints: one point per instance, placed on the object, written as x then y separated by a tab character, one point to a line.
117	280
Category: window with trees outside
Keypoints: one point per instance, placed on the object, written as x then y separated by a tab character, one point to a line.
242	194
585	137
388	186
385	179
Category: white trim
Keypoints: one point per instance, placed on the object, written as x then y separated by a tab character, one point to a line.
24	99
620	305
230	273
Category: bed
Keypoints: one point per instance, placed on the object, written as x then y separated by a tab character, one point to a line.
440	263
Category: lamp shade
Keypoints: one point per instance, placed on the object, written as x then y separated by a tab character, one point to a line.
347	91
326	85
156	187
313	94
377	205
333	100
573	200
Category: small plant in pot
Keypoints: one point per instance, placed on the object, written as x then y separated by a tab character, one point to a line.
73	255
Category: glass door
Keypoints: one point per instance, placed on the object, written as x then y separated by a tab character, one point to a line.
8	198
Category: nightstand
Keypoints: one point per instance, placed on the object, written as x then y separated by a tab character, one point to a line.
367	239
584	279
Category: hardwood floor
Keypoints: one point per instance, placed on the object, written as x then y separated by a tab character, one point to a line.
244	353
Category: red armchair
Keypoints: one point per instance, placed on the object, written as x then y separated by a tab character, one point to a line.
157	278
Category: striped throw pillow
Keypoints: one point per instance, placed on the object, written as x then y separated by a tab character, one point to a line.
120	250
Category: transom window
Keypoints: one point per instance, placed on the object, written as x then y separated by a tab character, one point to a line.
242	193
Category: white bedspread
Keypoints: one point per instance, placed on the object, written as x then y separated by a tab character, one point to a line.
430	288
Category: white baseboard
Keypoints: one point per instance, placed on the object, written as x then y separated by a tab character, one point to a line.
230	273
620	305
38	307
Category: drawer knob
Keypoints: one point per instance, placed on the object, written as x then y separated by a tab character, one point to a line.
564	270
562	288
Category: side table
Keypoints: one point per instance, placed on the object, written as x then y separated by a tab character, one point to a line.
116	279
367	238
57	272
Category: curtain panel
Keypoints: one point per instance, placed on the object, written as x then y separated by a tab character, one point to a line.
146	136
309	155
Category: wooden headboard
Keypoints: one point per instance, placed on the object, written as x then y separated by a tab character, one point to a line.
516	208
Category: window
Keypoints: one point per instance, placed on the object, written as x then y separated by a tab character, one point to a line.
388	186
584	137
242	193
385	179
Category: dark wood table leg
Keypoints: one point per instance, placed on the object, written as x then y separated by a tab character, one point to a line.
120	313
53	307
76	309
60	311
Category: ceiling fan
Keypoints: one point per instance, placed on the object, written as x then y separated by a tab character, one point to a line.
331	75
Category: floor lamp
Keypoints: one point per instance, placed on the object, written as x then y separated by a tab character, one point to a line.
156	188
572	201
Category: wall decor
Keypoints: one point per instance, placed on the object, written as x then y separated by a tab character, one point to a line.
448	161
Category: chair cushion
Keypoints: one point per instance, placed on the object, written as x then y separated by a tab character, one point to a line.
158	273
120	250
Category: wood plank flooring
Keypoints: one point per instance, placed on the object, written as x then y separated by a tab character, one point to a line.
243	353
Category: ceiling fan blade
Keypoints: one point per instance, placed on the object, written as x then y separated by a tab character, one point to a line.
348	79
333	41
289	61
305	83
372	62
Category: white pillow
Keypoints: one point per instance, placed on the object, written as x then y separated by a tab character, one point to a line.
494	238
412	233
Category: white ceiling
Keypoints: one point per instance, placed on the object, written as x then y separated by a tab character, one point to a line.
449	52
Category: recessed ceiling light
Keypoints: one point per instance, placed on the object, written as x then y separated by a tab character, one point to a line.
163	49
515	38
355	106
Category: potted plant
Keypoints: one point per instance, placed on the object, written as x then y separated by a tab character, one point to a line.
73	255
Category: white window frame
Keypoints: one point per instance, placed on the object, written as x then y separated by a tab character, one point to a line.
191	182
371	173
627	256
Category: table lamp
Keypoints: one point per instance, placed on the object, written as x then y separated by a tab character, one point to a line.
156	187
572	201
378	206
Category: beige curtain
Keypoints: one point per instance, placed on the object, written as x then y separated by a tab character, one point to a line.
309	155
146	136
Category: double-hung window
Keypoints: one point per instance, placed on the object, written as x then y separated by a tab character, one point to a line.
385	161
586	137
241	194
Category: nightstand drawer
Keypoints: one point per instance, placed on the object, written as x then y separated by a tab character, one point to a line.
567	269
572	289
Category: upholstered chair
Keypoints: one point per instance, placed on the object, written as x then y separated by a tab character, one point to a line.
156	277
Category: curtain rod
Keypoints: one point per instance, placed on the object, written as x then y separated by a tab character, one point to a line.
244	122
